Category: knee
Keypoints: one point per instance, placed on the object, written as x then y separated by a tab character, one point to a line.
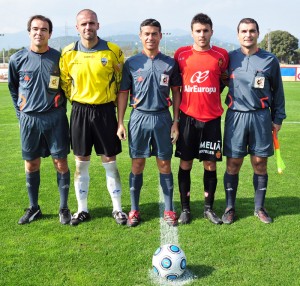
186	165
259	165
233	166
32	166
164	166
260	168
210	165
61	165
137	167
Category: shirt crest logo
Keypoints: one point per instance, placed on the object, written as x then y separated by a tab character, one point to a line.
218	154
104	61
220	62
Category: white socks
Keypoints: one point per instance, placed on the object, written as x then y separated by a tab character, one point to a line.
81	184
113	183
82	180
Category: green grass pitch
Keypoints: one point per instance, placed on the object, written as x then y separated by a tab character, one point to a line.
101	252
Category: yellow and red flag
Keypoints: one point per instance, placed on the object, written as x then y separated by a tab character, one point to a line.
279	161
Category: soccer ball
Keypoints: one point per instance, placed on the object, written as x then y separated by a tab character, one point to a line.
169	261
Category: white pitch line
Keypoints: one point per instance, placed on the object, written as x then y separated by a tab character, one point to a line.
169	234
9	124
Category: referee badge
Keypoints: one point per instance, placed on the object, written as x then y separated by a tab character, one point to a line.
54	82
104	61
164	80
259	82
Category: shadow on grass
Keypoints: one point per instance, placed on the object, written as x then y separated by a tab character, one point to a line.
49	216
192	272
200	271
276	207
148	211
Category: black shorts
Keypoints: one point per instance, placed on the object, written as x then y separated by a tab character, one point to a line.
94	125
199	140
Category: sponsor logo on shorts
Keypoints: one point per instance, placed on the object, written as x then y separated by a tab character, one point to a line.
211	148
211	145
218	154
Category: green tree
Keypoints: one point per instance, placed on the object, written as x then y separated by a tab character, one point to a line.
282	44
298	56
7	54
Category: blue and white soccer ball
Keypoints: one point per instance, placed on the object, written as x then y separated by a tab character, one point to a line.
169	261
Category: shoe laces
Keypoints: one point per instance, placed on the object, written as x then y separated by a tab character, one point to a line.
65	211
119	214
211	212
75	215
134	214
80	216
262	212
170	214
230	211
30	211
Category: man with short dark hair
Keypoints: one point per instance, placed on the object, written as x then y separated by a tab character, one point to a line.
201	66
256	105
33	80
149	76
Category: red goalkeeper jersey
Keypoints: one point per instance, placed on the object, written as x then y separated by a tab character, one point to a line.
201	72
